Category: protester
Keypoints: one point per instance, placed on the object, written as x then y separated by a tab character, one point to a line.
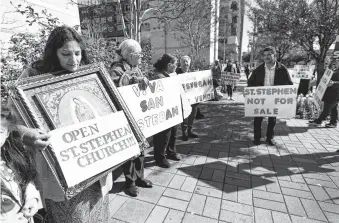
124	72
64	53
232	69
270	73
165	141
331	99
19	197
187	125
247	71
216	74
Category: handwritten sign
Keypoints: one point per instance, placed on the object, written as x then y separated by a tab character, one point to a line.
158	107
88	148
303	71
198	86
229	78
271	101
320	91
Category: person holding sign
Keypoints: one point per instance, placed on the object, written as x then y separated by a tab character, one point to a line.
64	53
331	99
232	69
186	126
124	72
270	73
165	141
19	196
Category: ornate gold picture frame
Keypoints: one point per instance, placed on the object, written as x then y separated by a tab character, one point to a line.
52	101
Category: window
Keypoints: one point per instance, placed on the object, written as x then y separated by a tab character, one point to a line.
145	6
119	27
145	27
103	20
97	20
118	18
234	6
235	19
234	31
127	8
110	18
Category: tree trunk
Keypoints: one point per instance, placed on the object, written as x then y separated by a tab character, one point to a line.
320	69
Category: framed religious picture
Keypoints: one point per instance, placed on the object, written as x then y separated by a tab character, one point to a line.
89	119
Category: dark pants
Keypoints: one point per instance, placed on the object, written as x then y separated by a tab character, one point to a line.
303	87
165	141
229	90
188	122
330	107
134	169
270	127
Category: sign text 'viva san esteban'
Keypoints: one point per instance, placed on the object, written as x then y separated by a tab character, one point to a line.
154	103
98	148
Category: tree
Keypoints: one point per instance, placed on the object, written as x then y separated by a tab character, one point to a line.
192	28
312	24
141	11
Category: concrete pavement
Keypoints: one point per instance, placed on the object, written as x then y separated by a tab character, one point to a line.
223	177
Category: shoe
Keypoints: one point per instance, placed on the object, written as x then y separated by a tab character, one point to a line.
315	122
163	163
174	157
131	190
270	142
144	183
330	125
200	116
256	142
192	134
184	136
231	99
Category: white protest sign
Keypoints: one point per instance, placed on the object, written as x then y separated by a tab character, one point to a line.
303	71
271	101
158	107
293	78
230	78
320	91
88	148
198	86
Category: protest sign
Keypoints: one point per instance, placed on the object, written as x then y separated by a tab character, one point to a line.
271	101
229	78
158	107
293	76
88	148
320	91
303	71
198	86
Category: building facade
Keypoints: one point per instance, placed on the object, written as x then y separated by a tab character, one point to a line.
13	22
106	19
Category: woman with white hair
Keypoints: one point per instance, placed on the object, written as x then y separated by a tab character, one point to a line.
124	72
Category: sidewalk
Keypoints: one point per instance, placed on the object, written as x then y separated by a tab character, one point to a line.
223	177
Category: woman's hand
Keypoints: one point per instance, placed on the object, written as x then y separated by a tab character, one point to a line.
30	208
35	138
143	83
330	84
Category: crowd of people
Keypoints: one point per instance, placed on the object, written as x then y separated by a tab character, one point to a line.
24	171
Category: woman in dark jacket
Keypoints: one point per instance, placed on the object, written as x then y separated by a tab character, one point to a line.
165	141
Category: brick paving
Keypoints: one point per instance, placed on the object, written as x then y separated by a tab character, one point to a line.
223	177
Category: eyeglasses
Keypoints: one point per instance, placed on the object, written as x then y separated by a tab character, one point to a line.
139	54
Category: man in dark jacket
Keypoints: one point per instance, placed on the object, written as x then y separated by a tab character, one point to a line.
270	73
331	99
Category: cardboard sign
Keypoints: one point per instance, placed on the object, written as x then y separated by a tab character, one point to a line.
158	107
295	80
336	48
320	91
303	71
198	86
88	148
271	101
229	78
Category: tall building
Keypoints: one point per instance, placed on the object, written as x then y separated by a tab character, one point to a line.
231	24
12	22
